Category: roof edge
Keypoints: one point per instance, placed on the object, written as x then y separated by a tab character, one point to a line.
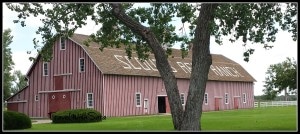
86	53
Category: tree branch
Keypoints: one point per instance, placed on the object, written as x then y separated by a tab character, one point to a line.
162	62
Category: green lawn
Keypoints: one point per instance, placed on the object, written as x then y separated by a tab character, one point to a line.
258	119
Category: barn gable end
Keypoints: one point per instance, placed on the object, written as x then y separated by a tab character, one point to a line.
63	68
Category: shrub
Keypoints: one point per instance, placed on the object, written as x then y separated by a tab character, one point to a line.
16	120
76	116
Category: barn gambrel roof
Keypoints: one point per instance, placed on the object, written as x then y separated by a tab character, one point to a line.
115	61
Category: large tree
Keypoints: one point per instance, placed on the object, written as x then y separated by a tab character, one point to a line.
280	77
19	81
146	29
8	63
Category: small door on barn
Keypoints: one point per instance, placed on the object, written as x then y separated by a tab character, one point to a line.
12	107
236	102
146	106
217	104
161	104
58	83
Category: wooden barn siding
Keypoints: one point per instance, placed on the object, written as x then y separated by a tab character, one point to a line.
219	88
64	61
119	92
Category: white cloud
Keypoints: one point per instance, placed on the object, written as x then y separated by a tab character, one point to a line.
8	16
89	28
21	60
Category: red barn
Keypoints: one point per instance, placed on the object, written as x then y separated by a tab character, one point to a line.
84	77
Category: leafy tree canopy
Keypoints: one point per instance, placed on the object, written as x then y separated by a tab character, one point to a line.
279	77
20	81
8	63
254	22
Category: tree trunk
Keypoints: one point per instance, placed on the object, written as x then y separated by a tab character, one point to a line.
201	62
190	118
162	63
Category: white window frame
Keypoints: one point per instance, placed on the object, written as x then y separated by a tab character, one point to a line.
138	100
36	98
146	105
244	98
45	63
60	42
87	100
80	65
206	99
226	98
182	98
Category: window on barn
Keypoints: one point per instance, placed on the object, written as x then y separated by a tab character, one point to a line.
62	43
205	98
90	100
244	97
45	69
36	98
81	64
138	99
226	98
182	98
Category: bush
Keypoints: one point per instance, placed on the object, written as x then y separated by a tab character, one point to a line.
76	116
16	120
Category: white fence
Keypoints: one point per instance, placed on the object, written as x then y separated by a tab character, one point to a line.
275	103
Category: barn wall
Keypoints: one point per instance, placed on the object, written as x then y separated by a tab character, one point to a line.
119	94
217	89
65	63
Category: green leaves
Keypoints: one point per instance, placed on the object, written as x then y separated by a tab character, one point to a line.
8	63
279	77
247	54
253	22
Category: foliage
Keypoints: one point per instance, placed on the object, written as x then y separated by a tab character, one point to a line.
15	120
255	22
146	29
7	63
76	116
279	77
277	98
20	81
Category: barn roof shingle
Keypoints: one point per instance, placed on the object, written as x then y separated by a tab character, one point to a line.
115	61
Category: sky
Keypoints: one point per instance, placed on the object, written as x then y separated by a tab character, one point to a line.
259	62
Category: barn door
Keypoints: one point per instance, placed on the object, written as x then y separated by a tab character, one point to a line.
58	83
12	107
59	101
161	104
53	101
236	102
217	104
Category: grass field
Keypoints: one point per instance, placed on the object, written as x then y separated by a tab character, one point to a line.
258	119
